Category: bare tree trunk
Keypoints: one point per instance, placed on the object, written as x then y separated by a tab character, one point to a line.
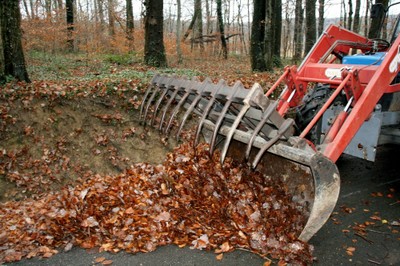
178	31
28	14
2	63
12	51
199	25
344	13
241	28
47	4
111	21
70	24
350	20
32	5
276	27
154	50
310	25
191	25
258	36
321	14
366	18
298	36
101	13
208	18
376	23
129	24
287	30
221	29
356	23
269	35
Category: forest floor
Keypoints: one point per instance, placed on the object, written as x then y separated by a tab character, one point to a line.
79	119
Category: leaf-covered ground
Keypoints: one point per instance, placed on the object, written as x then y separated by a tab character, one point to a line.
77	168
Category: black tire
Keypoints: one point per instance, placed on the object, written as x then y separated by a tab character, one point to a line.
312	103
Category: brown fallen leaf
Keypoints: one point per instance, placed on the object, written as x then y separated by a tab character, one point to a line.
220	256
107	262
267	263
350	251
47	255
99	259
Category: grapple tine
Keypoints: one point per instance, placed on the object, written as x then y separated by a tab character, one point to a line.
218	125
187	113
207	109
155	92
238	85
235	124
285	126
149	89
194	103
158	105
165	109
259	126
188	88
175	111
252	98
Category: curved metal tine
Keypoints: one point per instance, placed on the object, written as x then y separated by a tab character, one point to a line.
152	86
176	110
166	107
149	89
158	104
194	103
238	85
235	124
251	98
155	92
206	110
285	126
259	126
188	88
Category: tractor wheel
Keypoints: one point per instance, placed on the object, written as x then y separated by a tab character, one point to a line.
312	103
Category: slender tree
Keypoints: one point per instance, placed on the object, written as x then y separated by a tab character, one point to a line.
366	17
377	21
350	19
221	30
269	35
310	25
129	24
111	21
13	60
198	36
321	14
356	23
276	31
258	36
191	25
178	30
101	13
154	50
298	28
69	4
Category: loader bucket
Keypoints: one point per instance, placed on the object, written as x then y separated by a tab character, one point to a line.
244	124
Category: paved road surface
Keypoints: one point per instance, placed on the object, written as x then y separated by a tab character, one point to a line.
361	180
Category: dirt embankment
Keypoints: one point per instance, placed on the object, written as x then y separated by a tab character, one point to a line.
48	143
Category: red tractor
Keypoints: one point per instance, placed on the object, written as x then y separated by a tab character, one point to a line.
343	98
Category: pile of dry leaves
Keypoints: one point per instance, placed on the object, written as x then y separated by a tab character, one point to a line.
189	200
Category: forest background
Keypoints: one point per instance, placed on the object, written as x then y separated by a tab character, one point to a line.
267	33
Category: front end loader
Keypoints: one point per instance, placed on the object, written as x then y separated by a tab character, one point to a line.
343	98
